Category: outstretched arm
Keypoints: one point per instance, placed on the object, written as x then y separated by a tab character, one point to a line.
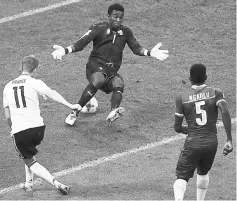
60	51
54	95
137	49
47	92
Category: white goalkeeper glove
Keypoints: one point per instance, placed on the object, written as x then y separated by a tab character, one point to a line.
159	54
59	52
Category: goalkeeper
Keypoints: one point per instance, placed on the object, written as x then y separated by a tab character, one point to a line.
109	39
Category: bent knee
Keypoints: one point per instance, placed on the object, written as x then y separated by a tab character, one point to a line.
118	82
98	79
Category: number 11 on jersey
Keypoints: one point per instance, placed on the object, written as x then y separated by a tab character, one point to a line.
16	89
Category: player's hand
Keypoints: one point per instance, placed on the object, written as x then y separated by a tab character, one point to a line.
59	52
159	54
75	107
228	147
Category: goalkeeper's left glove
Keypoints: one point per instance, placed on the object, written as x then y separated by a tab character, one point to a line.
159	54
59	52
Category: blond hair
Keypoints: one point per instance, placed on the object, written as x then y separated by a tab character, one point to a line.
29	63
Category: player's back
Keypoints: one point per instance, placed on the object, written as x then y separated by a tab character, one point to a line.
21	96
201	112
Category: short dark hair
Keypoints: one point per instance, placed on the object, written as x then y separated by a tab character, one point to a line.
29	63
198	73
115	6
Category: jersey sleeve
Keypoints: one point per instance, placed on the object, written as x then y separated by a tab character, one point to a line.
219	96
41	88
179	106
89	36
5	102
132	42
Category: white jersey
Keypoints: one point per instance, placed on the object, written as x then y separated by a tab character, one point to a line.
21	95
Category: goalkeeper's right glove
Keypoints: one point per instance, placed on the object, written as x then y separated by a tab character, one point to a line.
59	52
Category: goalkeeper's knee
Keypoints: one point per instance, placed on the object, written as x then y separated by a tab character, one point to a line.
202	181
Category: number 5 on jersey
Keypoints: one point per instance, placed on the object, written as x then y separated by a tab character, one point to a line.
203	120
21	89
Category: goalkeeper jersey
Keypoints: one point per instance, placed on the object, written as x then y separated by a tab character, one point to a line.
21	95
108	44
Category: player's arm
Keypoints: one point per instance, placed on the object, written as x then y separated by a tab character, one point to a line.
226	119
137	49
179	115
6	108
8	116
79	45
47	92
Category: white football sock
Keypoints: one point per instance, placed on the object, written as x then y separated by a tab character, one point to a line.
42	172
202	185
29	174
179	189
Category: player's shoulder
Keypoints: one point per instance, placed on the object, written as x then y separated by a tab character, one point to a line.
216	91
100	25
7	85
35	83
184	92
179	96
126	29
184	95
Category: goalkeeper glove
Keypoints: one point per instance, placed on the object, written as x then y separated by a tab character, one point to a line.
159	54
58	52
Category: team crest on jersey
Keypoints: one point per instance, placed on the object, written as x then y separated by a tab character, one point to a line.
107	31
120	32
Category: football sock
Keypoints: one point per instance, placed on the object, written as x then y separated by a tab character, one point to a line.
29	174
42	172
202	185
179	189
87	94
116	98
56	183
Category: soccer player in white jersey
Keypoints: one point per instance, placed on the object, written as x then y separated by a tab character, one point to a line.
22	112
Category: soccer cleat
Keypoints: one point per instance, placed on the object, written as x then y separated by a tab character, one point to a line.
71	118
63	189
27	186
115	114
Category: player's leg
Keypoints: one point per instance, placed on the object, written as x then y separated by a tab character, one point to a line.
203	168
43	173
96	76
29	179
202	185
116	85
21	142
179	186
184	171
97	79
26	142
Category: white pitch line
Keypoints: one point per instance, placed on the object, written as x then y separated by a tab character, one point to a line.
38	10
110	158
